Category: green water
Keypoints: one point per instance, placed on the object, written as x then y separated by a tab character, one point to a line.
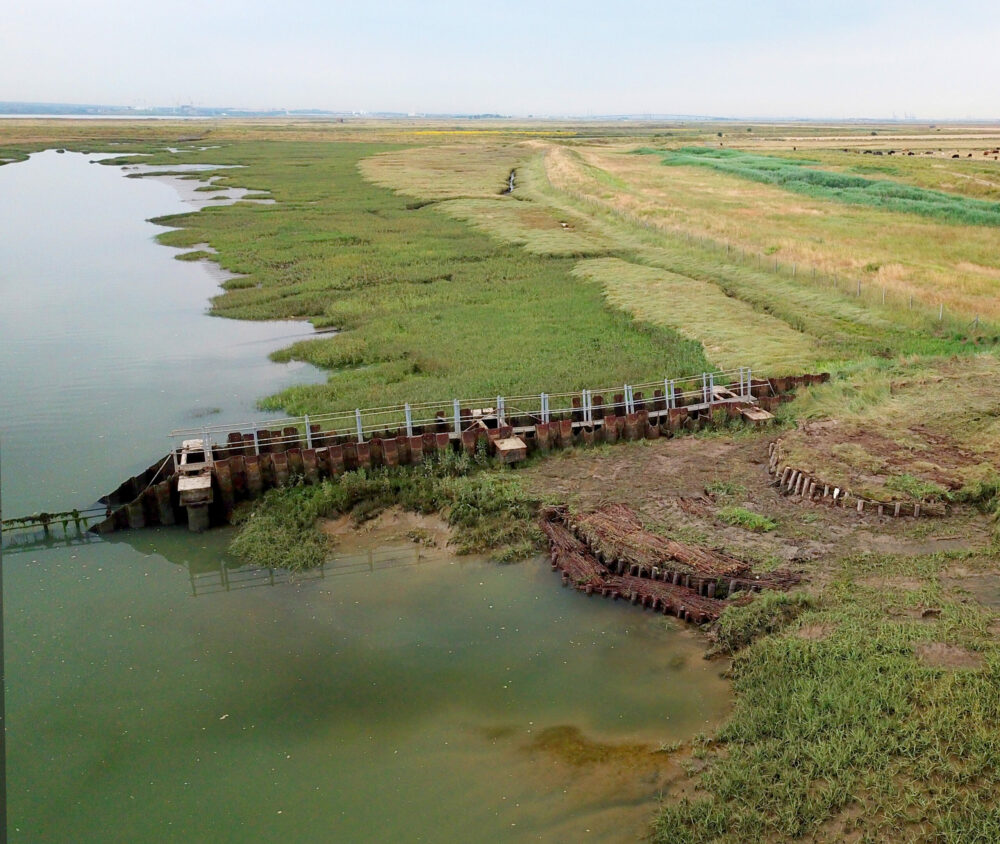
403	703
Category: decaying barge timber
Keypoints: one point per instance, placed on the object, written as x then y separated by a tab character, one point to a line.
608	552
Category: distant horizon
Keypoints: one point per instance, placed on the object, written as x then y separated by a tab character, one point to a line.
62	108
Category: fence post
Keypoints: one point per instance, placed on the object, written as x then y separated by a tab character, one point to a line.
883	295
704	387
749	381
741	377
501	411
458	418
256	442
309	435
357	421
409	419
673	394
941	312
711	386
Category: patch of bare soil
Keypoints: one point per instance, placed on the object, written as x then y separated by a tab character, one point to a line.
814	632
941	655
394	526
983	587
842	828
866	457
926	615
904	584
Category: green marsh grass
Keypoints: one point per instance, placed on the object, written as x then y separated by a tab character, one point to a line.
746	519
840	730
427	307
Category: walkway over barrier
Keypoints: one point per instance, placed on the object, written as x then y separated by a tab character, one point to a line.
584	408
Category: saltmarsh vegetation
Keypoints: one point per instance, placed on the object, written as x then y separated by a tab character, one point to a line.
873	717
489	511
426	307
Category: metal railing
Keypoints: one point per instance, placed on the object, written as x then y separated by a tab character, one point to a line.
457	415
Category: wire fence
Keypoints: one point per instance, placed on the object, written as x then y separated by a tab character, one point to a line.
454	416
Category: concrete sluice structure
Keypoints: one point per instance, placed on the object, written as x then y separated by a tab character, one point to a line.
201	481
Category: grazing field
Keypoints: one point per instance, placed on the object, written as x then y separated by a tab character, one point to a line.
842	187
867	702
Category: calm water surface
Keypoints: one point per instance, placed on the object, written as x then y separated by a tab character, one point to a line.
406	704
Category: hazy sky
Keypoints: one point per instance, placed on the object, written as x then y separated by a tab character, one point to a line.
769	58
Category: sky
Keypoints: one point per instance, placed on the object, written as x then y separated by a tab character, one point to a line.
844	59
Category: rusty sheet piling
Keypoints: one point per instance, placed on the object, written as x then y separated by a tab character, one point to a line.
246	463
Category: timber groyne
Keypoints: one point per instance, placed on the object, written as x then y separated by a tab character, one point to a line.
608	552
209	470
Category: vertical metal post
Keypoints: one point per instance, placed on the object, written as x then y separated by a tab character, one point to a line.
409	419
458	418
672	394
256	442
704	387
499	410
741	381
545	407
206	445
749	381
941	312
711	386
309	433
357	422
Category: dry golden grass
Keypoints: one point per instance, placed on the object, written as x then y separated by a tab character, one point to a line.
732	333
921	258
447	171
538	228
